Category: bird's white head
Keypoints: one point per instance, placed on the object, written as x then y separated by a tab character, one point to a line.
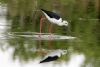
64	23
62	52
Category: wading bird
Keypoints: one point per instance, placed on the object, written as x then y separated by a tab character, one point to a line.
53	18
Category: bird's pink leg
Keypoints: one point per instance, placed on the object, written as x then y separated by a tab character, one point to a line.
41	24
41	20
50	28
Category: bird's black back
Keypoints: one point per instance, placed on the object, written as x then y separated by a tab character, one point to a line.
51	14
49	59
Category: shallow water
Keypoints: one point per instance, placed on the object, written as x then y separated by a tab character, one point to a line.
21	44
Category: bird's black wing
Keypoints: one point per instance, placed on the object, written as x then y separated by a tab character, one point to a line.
48	59
51	14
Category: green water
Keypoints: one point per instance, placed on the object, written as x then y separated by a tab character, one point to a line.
24	16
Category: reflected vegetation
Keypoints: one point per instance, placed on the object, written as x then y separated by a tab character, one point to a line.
24	16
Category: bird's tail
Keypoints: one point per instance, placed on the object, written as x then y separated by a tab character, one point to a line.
43	10
41	61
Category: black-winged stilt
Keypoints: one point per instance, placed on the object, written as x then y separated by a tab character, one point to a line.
52	56
53	18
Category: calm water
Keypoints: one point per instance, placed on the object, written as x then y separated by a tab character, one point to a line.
22	46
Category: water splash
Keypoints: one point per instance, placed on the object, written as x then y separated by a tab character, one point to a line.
41	36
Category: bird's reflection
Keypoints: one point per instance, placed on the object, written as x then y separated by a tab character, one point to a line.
53	55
